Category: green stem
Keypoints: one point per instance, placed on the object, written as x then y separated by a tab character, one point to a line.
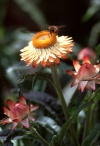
59	92
88	117
86	128
38	136
92	117
64	106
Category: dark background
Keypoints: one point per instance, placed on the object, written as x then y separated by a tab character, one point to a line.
53	12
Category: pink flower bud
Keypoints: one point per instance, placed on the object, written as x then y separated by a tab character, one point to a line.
87	52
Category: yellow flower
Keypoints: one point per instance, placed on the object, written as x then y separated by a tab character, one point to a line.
46	49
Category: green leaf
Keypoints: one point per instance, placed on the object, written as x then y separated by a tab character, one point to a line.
48	104
29	141
96	96
53	140
92	137
34	12
49	124
4	133
8	144
97	49
38	81
44	76
9	134
69	121
89	13
40	85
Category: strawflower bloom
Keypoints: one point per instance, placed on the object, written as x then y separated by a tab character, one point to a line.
86	75
46	49
87	52
19	113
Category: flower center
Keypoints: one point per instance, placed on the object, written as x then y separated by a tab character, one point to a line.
44	39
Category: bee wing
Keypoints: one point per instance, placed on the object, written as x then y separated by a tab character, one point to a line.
48	26
61	26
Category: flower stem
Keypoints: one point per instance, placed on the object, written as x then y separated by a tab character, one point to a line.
38	136
88	116
86	128
59	92
63	103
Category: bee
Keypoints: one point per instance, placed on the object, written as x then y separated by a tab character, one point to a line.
54	29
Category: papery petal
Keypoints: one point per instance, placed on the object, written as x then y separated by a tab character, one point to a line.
19	111
64	57
73	73
82	85
16	120
43	63
75	82
76	65
46	50
91	84
86	60
14	124
5	121
22	100
86	72
48	63
97	81
97	67
57	60
97	77
30	117
10	103
34	65
6	111
25	122
33	108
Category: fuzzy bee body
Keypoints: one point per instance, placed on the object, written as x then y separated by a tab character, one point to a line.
54	29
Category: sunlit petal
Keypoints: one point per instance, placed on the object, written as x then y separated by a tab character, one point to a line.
82	85
6	111
22	100
76	65
25	122
91	84
14	124
10	103
5	121
74	82
33	108
86	60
